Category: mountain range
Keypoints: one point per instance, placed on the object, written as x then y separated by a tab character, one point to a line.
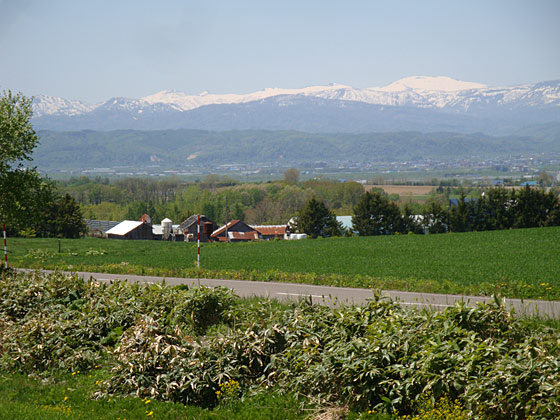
421	103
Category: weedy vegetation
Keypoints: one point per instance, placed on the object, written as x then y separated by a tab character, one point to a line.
205	350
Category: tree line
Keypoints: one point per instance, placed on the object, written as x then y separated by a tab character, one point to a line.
494	209
217	197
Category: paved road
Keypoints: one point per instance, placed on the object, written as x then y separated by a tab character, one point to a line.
335	295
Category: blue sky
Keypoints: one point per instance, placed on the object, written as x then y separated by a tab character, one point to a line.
93	50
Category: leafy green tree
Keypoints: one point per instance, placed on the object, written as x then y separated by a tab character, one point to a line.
375	215
22	190
316	220
291	176
62	219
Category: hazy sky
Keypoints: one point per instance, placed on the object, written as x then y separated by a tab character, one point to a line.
93	50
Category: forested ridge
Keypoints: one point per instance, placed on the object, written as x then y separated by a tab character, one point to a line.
181	148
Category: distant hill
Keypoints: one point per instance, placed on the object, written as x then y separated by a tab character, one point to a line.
88	149
426	104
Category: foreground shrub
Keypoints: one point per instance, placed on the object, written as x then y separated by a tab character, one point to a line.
186	345
203	307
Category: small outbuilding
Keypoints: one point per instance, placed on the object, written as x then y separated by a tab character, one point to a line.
131	229
268	232
235	231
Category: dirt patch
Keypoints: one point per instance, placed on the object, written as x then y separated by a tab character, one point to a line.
331	413
403	189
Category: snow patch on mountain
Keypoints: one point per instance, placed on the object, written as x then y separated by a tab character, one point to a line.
439	93
187	102
426	83
51	105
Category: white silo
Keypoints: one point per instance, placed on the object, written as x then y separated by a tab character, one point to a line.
166	228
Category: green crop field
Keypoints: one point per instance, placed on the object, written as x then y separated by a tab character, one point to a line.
520	263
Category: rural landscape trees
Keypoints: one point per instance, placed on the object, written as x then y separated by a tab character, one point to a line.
21	188
276	202
375	215
27	201
316	220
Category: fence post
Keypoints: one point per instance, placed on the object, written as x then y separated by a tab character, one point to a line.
5	247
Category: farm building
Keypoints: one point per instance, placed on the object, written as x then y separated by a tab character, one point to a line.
237	231
189	228
167	231
131	229
268	232
100	227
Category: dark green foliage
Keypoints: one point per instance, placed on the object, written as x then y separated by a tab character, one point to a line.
375	215
317	220
459	216
411	223
496	208
532	207
203	307
62	218
21	188
381	356
29	203
435	218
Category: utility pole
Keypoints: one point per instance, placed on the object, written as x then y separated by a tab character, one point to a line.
227	238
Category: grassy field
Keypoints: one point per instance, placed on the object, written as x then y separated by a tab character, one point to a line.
69	396
520	263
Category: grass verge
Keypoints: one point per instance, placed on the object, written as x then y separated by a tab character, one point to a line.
69	396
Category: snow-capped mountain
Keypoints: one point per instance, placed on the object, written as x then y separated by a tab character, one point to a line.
408	91
442	101
51	105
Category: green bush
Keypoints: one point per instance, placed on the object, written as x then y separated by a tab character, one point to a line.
203	307
381	357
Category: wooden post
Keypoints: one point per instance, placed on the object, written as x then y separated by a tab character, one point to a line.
5	247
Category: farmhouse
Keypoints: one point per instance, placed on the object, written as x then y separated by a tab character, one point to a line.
237	231
268	232
131	229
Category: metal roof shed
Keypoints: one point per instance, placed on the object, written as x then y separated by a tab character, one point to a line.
131	229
